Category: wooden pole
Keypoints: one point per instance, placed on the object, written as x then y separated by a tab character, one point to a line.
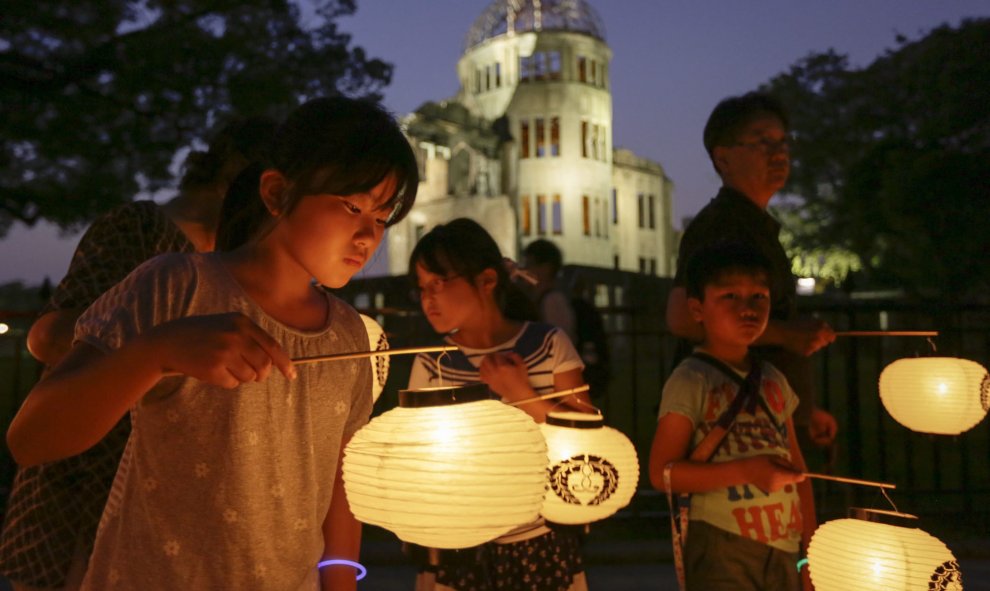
886	333
849	480
559	394
360	354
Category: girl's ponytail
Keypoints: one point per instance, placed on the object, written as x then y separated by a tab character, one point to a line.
243	216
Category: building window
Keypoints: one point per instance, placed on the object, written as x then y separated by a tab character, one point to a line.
524	139
642	265
652	213
582	67
586	215
615	206
541	214
525	219
555	136
477	81
524	68
498	74
604	214
553	59
604	76
539	64
594	72
615	261
558	216
640	213
541	148
594	141
598	228
584	139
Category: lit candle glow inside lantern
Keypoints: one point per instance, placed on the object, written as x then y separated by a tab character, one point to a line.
857	554
941	395
448	468
593	470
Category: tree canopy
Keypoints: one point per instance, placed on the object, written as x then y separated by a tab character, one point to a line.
98	95
891	162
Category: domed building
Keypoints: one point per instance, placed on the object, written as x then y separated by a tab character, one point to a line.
526	148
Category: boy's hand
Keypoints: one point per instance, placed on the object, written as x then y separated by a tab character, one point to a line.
771	473
225	350
505	374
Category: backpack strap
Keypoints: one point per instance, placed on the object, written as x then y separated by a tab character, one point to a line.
749	387
748	396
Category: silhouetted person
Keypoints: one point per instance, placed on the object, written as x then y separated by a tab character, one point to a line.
747	140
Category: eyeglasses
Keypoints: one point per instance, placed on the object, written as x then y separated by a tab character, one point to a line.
768	146
432	287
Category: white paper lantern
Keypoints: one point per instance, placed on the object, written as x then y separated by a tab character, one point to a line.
941	395
593	470
447	468
855	554
379	363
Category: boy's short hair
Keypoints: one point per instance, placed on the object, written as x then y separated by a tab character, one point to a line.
544	252
711	262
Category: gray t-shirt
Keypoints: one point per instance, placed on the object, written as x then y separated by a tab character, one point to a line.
701	393
217	488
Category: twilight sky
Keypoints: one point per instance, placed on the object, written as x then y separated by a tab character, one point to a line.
672	62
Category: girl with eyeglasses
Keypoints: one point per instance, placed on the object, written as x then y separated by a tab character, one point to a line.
466	294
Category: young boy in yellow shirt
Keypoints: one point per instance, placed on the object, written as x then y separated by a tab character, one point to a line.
725	436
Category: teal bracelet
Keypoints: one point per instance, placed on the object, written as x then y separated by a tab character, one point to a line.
361	571
802	563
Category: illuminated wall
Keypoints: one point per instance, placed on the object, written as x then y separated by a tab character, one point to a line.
537	77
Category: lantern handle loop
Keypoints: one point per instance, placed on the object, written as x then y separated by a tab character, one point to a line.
883	491
440	366
931	342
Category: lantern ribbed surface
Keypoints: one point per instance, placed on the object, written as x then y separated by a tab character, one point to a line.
855	554
941	395
449	476
593	470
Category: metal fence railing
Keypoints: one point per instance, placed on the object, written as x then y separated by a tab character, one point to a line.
942	479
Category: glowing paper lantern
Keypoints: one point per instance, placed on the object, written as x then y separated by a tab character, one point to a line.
855	554
942	395
379	363
593	470
447	468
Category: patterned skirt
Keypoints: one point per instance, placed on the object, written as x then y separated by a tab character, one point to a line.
550	562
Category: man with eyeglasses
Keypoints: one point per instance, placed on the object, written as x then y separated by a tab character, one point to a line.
747	139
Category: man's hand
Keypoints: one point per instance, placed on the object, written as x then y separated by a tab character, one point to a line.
804	336
822	427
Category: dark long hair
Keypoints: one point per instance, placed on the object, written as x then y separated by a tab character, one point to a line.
464	248
333	145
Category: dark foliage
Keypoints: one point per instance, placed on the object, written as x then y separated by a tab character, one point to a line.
98	95
892	161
